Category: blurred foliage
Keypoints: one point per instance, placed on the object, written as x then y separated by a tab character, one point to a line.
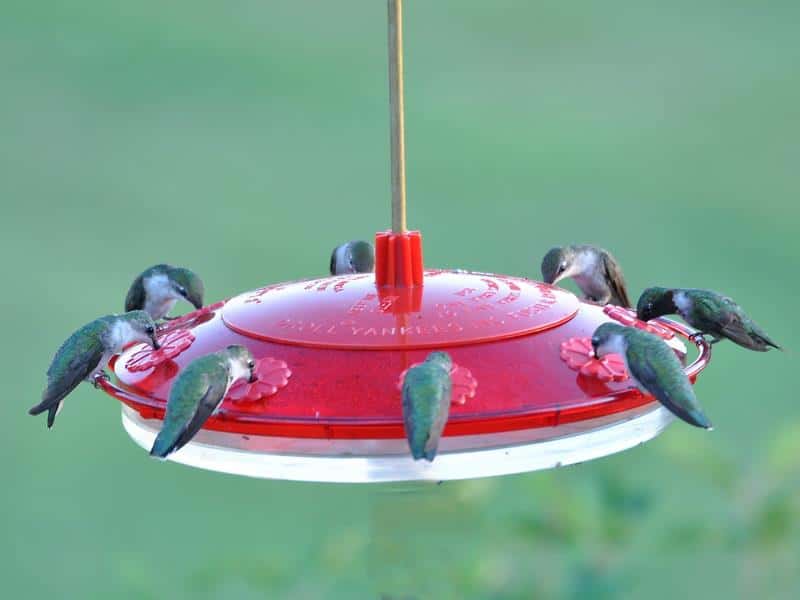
246	139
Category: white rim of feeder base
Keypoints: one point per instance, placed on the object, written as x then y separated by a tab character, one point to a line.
383	461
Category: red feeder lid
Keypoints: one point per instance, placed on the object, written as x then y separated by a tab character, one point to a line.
333	349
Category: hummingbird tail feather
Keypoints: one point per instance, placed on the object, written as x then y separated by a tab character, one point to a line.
693	416
52	412
48	401
416	452
52	401
162	448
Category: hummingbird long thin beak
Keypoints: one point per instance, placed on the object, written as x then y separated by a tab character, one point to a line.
156	345
253	377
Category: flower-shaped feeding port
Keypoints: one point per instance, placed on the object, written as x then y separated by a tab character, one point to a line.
579	356
271	375
628	318
196	317
171	345
464	384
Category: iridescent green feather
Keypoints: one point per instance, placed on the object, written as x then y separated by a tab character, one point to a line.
194	397
74	361
654	365
720	316
426	394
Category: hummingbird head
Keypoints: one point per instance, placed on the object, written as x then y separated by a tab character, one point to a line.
242	363
143	326
440	358
654	302
361	256
187	285
608	338
557	263
353	257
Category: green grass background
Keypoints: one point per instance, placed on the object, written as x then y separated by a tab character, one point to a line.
245	139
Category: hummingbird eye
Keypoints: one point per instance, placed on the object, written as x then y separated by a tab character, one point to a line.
149	330
251	363
182	290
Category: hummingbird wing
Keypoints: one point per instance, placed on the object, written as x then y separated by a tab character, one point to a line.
616	281
135	299
656	368
426	405
729	320
195	396
74	361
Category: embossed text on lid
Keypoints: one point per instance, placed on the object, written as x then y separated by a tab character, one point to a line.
452	308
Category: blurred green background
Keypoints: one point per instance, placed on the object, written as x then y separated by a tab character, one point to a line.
246	139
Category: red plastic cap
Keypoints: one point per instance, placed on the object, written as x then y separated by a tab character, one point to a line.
398	259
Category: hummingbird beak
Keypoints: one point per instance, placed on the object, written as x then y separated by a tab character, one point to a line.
198	304
253	377
156	345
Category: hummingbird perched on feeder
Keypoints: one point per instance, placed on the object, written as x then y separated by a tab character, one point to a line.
353	257
709	312
86	352
595	270
197	394
427	389
654	367
157	289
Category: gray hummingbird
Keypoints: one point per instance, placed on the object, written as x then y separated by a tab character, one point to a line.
709	312
353	257
157	289
427	389
197	394
654	368
84	355
595	270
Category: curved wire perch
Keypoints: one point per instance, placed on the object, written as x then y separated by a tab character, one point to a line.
703	347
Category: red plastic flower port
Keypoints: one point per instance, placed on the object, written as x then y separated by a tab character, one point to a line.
464	384
579	356
628	318
272	375
172	344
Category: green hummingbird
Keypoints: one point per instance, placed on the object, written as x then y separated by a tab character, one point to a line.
595	270
157	289
427	389
709	312
353	257
85	353
197	394
654	367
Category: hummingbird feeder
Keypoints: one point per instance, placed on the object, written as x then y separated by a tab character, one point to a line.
331	352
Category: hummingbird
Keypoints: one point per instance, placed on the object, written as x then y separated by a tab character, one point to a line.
709	312
157	289
426	404
198	393
353	257
654	367
595	270
85	353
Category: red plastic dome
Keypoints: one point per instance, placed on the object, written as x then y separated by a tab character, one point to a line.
332	350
